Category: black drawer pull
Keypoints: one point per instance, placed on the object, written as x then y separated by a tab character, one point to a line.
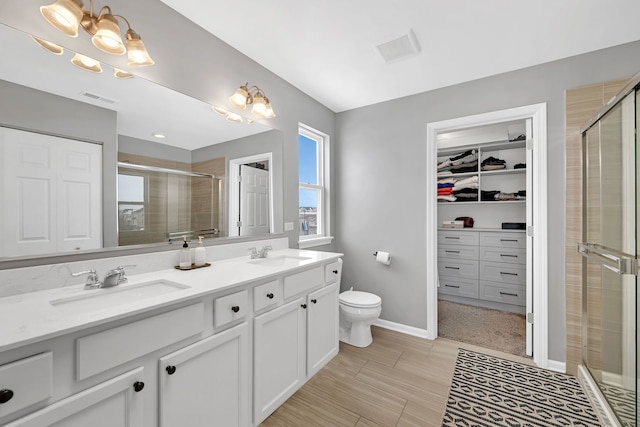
138	386
508	274
508	293
452	237
452	252
451	286
509	240
452	268
335	271
171	369
270	295
5	395
235	309
304	306
510	256
315	301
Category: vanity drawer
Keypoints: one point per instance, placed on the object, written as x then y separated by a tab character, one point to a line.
508	255
504	240
25	382
459	287
458	252
503	273
500	292
267	295
303	281
332	272
469	238
460	269
230	308
104	350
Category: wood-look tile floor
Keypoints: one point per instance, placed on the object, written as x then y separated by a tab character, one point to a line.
399	380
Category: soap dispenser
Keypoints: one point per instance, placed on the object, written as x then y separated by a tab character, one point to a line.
185	256
199	258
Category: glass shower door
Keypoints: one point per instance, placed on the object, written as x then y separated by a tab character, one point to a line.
610	266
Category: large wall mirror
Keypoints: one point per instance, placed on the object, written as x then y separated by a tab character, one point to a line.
151	189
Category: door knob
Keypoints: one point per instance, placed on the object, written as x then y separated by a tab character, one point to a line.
171	369
138	386
5	395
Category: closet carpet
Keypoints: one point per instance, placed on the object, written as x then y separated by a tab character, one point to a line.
494	329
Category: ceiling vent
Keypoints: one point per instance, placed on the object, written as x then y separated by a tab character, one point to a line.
399	48
98	97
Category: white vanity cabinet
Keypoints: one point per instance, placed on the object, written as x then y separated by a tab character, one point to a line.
208	380
294	341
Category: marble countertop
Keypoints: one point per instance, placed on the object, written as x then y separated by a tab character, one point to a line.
30	317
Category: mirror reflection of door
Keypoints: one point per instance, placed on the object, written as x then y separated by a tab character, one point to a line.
254	200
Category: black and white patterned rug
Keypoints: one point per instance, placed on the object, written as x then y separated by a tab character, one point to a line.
488	391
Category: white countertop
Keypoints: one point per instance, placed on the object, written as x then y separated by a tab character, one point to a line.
29	317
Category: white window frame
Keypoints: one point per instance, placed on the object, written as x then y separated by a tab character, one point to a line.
323	237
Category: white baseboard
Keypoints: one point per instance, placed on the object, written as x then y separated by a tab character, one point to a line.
557	366
612	379
399	327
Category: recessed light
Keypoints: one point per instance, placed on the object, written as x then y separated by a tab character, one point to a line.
158	135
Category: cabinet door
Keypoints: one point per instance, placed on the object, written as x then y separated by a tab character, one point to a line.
207	383
279	356
322	327
114	403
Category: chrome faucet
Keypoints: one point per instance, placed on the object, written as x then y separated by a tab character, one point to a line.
116	276
113	277
260	254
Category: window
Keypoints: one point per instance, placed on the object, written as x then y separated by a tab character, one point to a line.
313	197
131	202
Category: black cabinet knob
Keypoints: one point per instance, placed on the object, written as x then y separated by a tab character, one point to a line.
270	295
303	306
235	309
171	369
335	271
138	386
5	395
314	301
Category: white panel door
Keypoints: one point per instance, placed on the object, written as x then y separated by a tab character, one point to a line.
52	194
254	201
279	357
207	383
322	327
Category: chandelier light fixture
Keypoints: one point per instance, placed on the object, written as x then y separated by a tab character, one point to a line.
69	15
246	95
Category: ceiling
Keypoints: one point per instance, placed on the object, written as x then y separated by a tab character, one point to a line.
326	48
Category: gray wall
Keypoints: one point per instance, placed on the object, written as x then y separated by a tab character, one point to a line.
380	192
141	147
37	111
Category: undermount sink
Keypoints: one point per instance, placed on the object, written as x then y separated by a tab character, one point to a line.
280	261
96	299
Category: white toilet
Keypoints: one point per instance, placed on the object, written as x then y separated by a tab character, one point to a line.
358	311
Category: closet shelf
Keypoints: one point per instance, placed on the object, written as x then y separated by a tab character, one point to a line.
483	202
483	173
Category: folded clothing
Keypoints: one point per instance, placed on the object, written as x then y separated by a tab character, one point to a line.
466	190
447	180
460	159
445	191
493	163
519	166
493	167
465	167
471	182
447	198
488	195
445	185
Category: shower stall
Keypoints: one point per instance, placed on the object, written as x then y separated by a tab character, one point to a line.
610	243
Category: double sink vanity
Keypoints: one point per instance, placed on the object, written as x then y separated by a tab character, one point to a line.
223	345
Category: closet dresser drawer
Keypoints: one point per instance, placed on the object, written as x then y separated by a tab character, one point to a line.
461	269
458	252
504	240
508	255
469	238
505	293
503	273
459	287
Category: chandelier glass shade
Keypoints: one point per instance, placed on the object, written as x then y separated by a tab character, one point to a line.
243	96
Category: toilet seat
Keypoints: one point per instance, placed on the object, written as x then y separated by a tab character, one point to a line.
359	299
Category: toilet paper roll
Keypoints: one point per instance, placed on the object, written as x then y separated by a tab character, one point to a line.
383	257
